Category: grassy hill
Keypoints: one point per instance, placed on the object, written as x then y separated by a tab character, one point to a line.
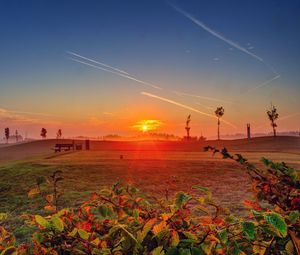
260	144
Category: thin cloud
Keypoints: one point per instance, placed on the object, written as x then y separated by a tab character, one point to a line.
179	93
97	62
116	73
186	107
18	117
264	83
108	113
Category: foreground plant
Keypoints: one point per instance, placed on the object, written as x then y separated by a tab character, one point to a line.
122	220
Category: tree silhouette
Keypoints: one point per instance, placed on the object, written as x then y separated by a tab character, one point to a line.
273	116
17	136
59	134
44	133
219	113
6	132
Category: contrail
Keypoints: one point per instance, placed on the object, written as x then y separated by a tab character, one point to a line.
288	116
97	62
226	40
27	113
202	97
207	107
185	106
281	118
117	73
215	33
264	83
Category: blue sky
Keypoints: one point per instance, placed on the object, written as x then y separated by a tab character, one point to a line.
156	44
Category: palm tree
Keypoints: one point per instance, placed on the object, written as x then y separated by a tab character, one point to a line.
273	116
219	113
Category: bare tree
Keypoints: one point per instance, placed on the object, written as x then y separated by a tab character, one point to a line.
6	132
44	133
273	116
219	113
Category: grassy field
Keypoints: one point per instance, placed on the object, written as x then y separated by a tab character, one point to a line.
151	169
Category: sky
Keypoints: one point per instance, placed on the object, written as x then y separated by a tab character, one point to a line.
99	67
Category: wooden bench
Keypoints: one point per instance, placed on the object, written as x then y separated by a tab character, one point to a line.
67	147
63	147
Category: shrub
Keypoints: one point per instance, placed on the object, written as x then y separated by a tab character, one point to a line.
122	220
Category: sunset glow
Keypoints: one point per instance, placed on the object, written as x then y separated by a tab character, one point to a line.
147	125
176	58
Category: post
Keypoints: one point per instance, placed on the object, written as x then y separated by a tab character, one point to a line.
248	131
218	128
87	145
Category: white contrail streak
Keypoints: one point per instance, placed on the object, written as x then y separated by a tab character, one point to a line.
97	62
27	113
116	73
281	119
226	40
207	107
202	97
264	83
215	33
288	116
185	106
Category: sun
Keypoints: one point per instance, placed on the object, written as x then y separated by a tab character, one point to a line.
147	125
145	128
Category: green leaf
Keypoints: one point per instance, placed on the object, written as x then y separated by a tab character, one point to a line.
277	222
183	251
42	221
181	199
38	237
293	216
105	211
127	232
57	223
196	251
147	227
198	187
172	251
73	232
249	229
289	247
158	251
3	216
223	236
83	234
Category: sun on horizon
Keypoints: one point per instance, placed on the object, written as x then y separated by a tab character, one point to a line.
147	125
